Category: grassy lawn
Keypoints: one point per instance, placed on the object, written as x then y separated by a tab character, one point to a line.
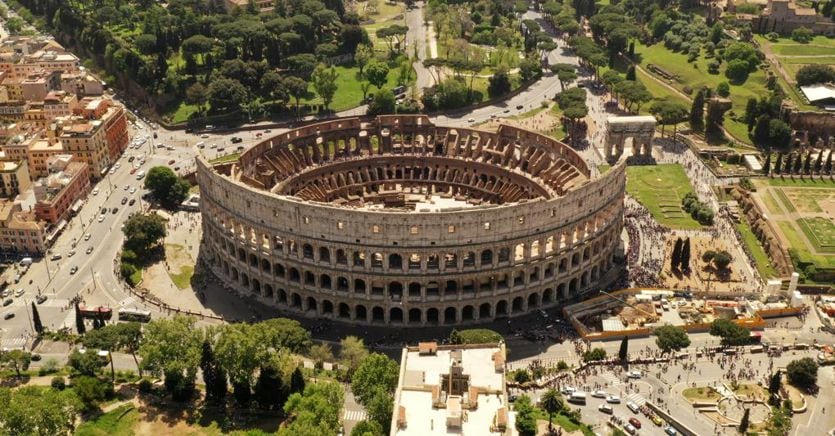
183	279
805	182
819	45
660	188
527	114
796	240
136	277
751	391
701	394
349	93
820	232
563	421
181	113
785	200
224	159
761	259
658	91
118	422
695	76
603	168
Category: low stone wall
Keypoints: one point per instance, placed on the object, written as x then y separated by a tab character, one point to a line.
683	429
765	231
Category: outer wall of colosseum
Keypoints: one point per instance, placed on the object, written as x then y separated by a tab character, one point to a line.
466	265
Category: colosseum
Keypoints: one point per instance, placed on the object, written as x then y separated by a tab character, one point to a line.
396	220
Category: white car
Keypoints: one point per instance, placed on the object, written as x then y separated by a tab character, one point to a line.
568	390
95	191
19	292
598	394
127	187
205	136
87	236
132	189
101	218
613	399
634	374
605	408
113	171
89	249
633	407
118	165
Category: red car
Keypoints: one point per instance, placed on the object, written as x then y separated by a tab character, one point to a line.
171	162
635	422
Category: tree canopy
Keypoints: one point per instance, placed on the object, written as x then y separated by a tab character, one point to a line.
166	186
671	338
143	232
730	332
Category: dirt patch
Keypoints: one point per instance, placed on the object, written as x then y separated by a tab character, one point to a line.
179	265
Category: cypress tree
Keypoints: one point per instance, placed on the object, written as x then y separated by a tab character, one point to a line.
269	389
296	381
213	376
36	319
751	113
778	164
775	382
624	349
798	163
676	257
767	164
697	112
79	321
788	167
630	73
684	263
807	164
819	162
828	169
743	425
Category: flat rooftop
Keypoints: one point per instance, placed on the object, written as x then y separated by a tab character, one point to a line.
424	406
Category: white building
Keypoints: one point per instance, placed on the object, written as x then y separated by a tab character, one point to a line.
452	389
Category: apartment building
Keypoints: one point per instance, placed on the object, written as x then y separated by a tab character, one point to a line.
20	231
35	148
14	177
61	192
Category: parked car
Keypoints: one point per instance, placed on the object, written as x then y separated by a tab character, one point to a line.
634	374
598	394
613	399
89	249
633	407
605	408
670	430
131	202
635	422
40	299
8	316
19	292
8	301
124	200
115	209
74	269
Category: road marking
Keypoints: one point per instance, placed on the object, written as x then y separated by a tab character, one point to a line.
12	343
354	415
613	380
637	399
127	301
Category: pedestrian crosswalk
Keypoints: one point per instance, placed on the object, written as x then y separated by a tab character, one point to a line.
127	301
13	343
354	415
56	302
636	398
611	378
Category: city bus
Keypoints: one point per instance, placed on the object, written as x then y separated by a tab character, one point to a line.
101	312
134	315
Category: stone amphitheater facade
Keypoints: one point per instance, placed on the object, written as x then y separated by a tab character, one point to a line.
395	220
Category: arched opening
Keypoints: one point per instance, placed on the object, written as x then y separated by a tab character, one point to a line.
450	315
245	280
256	286
324	255
486	257
414	316
307	251
450	260
432	316
253	260
344	311
504	254
396	315
432	289
268	291
241	255
359	286
572	286
467	313
451	287
575	259
341	258
518	304
501	308
396	291
361	313
484	311
342	284
309	278
548	296
278	270
294	275
533	300
395	261
562	291
414	261
414	290
377	260
325	281
327	307
296	301
265	265
377	314
311	304
359	259
432	262
282	296
469	259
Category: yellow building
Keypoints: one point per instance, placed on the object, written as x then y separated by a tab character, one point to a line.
14	177
20	231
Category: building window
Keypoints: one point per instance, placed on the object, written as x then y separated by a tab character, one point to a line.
306	220
413	230
521	220
340	225
450	229
487	226
375	229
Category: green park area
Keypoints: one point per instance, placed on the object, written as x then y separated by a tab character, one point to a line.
661	188
793	55
701	394
761	259
820	232
688	77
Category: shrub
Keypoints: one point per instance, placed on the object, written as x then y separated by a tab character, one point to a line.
723	89
58	383
145	386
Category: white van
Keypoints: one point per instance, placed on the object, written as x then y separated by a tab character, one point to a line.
26	261
140	175
577	397
201	144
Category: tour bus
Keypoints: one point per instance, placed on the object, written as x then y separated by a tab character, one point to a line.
134	315
577	397
101	312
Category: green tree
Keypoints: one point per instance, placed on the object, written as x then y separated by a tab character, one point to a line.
697	110
38	411
802	35
380	407
91	391
803	373
143	232
324	82
594	355
321	353
737	70
767	164
675	258
684	264
166	186
16	360
297	382
172	348
530	68
314	412
722	259
296	88
368	428
671	338
566	73
214	377
240	350
775	383
723	89
269	390
552	403
383	103
623	353
352	353
376	73
362	56
815	73
198	95
284	333
87	363
525	417
669	112
226	95
730	332
377	371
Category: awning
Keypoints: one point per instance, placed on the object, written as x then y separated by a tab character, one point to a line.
77	205
56	230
